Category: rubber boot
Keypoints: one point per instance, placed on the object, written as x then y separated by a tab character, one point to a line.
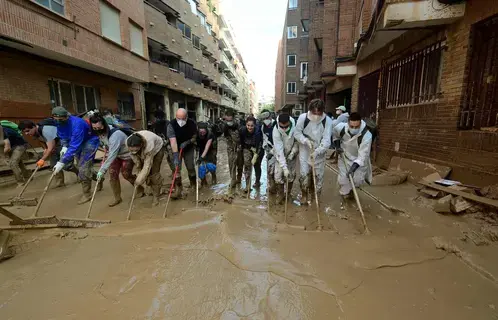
280	190
247	187
156	192
59	180
193	182
213	178
177	192
304	197
204	182
239	177
87	192
116	191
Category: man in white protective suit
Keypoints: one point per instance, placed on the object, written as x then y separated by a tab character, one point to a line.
313	131
285	149
353	141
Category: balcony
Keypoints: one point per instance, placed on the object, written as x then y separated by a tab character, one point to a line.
172	6
228	85
162	75
399	17
227	66
161	31
417	14
228	103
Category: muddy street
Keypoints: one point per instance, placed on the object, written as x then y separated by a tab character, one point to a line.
240	261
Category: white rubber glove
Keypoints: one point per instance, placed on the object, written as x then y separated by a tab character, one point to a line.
58	167
309	144
286	173
63	151
291	156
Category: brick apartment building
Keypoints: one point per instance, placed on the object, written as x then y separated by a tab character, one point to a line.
128	56
425	70
317	36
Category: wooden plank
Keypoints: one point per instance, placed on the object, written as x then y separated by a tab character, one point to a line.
483	200
11	216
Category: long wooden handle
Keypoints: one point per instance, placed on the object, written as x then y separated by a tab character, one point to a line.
356	197
286	195
316	196
131	204
93	198
27	183
43	195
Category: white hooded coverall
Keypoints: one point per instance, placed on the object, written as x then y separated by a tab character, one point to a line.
283	145
353	154
319	134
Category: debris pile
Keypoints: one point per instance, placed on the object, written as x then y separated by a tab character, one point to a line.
454	197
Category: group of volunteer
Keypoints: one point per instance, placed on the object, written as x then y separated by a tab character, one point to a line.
71	143
285	140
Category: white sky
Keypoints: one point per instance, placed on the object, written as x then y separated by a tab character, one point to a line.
258	26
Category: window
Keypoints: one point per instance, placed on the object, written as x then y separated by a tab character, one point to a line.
291	87
126	105
76	98
109	21
306	27
304	70
196	41
480	102
292	4
136	39
209	28
193	6
292	32
412	79
186	31
291	60
54	5
202	17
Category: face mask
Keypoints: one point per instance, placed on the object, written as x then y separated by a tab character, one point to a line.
338	112
134	152
267	122
61	122
354	131
181	123
230	123
100	132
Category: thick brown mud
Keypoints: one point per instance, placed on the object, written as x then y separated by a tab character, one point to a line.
235	258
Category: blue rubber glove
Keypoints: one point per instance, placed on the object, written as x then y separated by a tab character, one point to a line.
100	175
176	159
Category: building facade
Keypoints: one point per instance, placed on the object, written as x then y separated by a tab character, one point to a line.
132	57
424	70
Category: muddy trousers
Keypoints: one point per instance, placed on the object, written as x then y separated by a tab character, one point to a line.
17	165
270	173
306	179
125	167
248	155
54	158
169	157
84	162
155	179
235	165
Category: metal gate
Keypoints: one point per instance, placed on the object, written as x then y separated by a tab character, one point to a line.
367	95
480	105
